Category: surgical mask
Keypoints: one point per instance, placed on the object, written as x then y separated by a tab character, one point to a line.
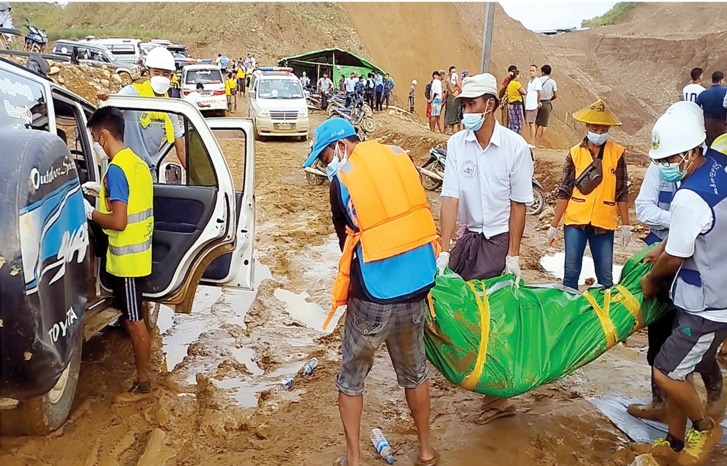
474	121
597	139
100	152
671	173
160	84
336	164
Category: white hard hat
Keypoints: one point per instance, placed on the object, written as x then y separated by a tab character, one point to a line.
675	132
686	105
414	82
160	58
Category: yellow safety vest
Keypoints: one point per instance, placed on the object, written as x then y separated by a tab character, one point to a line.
599	208
129	253
144	89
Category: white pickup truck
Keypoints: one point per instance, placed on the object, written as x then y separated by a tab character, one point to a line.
52	293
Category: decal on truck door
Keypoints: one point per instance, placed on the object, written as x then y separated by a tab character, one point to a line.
54	233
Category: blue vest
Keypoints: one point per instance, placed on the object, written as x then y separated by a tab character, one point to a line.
397	278
701	282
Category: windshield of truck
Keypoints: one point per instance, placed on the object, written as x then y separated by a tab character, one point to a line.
211	76
24	103
280	89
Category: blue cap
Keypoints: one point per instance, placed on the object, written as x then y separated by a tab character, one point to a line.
327	133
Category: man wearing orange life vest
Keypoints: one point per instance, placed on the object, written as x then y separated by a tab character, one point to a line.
593	194
388	238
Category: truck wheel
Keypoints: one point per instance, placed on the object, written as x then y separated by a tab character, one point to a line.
43	415
125	78
151	315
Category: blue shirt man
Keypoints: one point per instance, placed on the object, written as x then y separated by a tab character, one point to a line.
224	61
711	101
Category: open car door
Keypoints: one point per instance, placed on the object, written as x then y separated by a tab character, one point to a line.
194	221
235	138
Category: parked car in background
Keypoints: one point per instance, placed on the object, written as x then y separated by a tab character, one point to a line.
97	55
214	85
277	104
124	50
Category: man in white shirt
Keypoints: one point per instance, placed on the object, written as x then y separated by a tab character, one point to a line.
694	88
195	97
547	96
487	183
532	101
436	95
350	84
696	253
653	209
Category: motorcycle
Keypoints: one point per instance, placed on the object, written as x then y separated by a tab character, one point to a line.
356	117
357	103
433	176
35	40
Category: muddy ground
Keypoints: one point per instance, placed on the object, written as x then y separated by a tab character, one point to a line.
218	400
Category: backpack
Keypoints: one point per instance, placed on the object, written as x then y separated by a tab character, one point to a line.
428	90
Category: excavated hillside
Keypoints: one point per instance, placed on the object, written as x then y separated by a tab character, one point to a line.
642	63
637	66
396	36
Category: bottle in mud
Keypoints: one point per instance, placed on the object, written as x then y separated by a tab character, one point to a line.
287	383
310	366
382	446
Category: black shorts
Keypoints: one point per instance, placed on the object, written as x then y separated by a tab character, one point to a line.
692	345
127	296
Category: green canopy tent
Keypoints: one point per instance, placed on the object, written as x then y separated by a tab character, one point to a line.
335	62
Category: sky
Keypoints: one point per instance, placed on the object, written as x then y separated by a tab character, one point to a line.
551	15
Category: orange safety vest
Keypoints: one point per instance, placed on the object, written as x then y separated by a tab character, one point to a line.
388	207
599	207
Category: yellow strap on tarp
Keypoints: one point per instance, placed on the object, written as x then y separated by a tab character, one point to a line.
430	301
631	304
608	328
483	304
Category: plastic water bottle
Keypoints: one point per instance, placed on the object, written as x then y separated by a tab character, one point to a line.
310	366
287	383
382	446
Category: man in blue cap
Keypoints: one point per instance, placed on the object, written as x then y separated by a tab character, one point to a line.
388	238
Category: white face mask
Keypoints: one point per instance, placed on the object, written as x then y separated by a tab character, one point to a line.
100	152
336	164
160	84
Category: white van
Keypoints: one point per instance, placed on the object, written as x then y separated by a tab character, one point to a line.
214	85
277	104
125	50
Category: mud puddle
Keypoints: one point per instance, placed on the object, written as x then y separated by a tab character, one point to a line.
555	265
310	314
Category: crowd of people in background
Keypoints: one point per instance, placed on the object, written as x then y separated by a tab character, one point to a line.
529	105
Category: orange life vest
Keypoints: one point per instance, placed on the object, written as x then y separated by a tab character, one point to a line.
388	206
598	208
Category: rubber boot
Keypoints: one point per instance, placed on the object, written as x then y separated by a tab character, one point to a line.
656	410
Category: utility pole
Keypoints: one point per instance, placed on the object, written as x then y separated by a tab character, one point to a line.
487	36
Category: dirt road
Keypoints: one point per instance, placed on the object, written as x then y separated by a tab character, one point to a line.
218	400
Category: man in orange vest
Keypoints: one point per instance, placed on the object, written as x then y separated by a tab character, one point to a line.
593	194
388	238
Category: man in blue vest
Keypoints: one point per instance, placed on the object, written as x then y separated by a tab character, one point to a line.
383	278
696	252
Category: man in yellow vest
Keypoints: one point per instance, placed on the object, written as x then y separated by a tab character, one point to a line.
147	132
126	215
388	238
593	195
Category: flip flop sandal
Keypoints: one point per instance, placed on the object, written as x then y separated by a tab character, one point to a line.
509	411
434	461
341	461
